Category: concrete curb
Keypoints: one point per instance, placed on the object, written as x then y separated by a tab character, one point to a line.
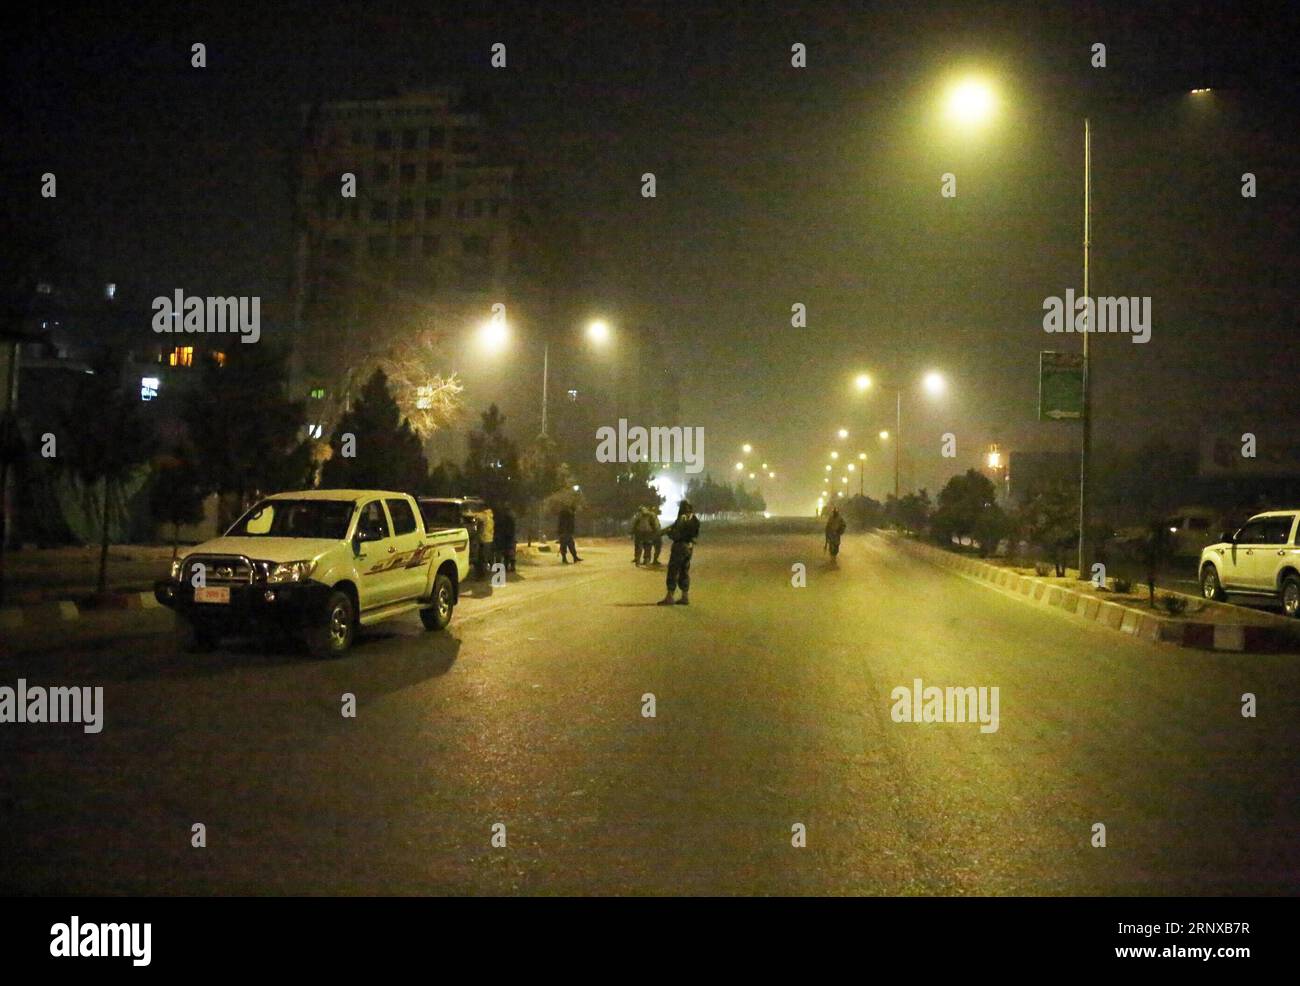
1237	637
66	611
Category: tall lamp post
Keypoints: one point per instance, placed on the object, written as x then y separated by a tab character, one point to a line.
934	385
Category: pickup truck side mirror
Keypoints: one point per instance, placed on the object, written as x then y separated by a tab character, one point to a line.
1228	537
362	535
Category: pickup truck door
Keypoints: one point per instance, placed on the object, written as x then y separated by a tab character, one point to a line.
411	553
375	559
1268	556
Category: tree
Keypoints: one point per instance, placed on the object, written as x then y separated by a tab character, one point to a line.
1049	522
373	446
863	512
911	512
177	494
492	467
245	432
966	503
445	479
542	472
616	490
103	438
426	397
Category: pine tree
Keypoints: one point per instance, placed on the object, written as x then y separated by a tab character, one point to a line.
373	446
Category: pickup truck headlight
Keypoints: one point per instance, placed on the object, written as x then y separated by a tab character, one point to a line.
288	571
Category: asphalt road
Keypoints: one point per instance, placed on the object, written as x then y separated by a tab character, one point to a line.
773	707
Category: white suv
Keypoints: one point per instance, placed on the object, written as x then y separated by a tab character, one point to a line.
1260	559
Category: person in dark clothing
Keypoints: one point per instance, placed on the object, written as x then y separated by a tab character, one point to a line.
566	525
834	531
505	538
682	532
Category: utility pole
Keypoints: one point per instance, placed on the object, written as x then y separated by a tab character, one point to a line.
898	435
1086	451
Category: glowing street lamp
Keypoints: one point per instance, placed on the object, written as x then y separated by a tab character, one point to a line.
835	455
934	384
970	103
884	436
862	381
739	466
747	448
598	331
843	433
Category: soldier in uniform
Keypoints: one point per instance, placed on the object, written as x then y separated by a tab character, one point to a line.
682	532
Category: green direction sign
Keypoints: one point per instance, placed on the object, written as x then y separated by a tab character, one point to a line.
1060	386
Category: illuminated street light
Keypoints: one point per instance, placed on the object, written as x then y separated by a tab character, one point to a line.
828	468
862	456
598	331
852	467
747	448
764	465
771	475
934	384
751	475
494	335
862	381
970	103
834	455
843	433
884	436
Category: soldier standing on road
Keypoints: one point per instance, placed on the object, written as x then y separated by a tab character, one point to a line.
656	532
834	531
640	536
566	527
682	532
505	538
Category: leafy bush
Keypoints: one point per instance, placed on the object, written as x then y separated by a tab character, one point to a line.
1173	605
1121	585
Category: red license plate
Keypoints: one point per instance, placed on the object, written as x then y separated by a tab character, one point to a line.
213	594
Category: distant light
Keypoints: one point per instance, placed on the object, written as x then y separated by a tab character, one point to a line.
934	384
149	388
844	479
747	448
995	460
1197	92
884	436
739	466
851	467
843	433
1173	530
573	395
828	468
862	456
766	515
110	289
835	455
598	331
493	335
862	382
771	475
577	488
840	493
764	465
751	475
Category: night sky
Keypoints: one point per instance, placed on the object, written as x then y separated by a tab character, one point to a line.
776	185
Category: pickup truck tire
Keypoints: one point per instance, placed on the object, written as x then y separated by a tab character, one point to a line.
1210	586
437	616
195	638
333	635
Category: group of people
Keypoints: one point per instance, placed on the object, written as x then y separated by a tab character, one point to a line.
494	537
647	538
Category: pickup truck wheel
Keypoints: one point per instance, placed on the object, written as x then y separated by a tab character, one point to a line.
437	616
1291	596
1210	587
333	636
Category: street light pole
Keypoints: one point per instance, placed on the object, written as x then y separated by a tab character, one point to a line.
546	366
898	434
1086	443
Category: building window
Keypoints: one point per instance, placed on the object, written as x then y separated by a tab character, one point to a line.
432	208
110	290
437	136
318	393
431	245
378	246
149	388
408	140
219	357
383	140
181	356
406	209
315	431
379	210
434	171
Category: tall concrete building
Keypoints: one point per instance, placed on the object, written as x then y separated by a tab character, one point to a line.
429	237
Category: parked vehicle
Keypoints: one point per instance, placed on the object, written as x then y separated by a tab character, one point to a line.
321	563
468	512
1260	559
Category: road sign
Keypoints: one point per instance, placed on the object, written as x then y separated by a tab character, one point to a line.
1060	386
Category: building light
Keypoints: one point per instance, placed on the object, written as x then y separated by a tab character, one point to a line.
219	357
318	393
149	388
181	356
110	290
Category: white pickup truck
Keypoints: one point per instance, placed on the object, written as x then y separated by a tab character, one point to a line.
321	563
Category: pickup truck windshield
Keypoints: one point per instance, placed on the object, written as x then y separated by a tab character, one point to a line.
326	519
